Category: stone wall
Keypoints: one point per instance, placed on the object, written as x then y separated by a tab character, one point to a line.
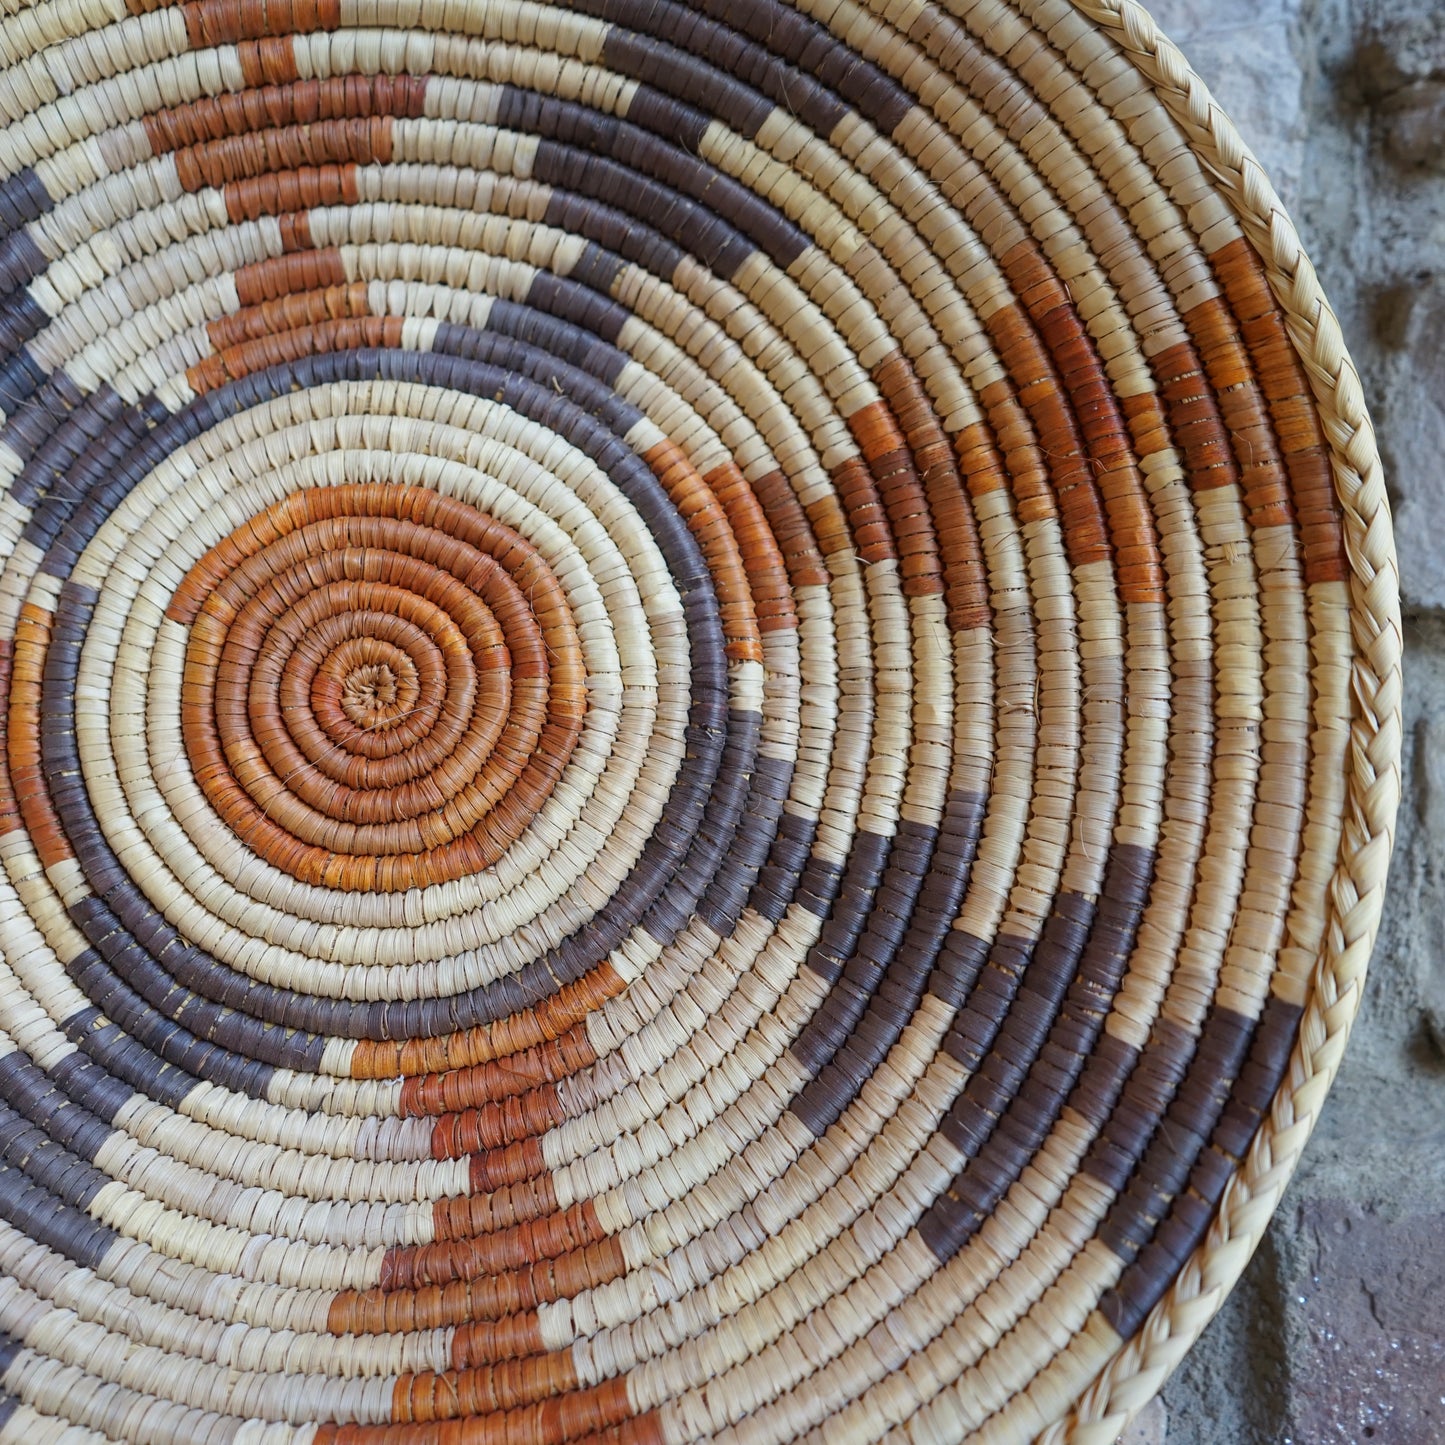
1337	1331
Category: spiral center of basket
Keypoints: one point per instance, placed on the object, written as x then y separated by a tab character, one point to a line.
380	685
369	696
384	687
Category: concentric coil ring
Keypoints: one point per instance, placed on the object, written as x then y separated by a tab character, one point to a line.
683	717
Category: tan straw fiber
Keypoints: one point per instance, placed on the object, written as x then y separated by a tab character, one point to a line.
701	719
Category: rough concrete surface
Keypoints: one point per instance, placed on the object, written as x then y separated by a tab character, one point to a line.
1373	1311
1336	1333
1149	1427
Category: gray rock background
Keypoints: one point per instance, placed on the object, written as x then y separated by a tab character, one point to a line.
1336	1333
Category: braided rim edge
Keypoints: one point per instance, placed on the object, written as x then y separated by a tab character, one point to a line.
1139	1370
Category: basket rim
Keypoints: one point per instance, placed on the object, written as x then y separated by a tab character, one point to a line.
1139	1370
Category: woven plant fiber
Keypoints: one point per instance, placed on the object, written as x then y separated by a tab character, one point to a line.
700	719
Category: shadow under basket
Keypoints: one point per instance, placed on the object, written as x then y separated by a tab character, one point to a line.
700	719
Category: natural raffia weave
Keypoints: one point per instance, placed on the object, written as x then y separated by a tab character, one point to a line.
701	719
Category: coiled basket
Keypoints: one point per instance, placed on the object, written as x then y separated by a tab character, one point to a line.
700	719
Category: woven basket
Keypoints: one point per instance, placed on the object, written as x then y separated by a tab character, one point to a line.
701	719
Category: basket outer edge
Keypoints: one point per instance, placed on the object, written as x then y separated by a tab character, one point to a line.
1139	1370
